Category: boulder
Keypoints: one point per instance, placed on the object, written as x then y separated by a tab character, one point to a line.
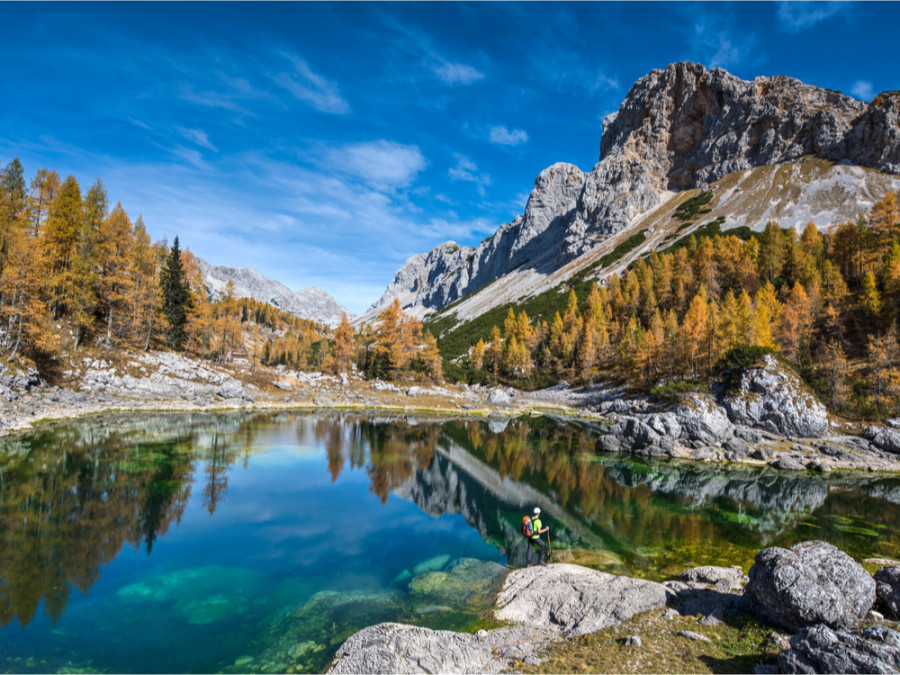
771	398
887	589
702	420
574	600
398	648
630	434
821	650
810	583
723	578
884	438
498	398
787	464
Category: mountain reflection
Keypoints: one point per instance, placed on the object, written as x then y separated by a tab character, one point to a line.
73	495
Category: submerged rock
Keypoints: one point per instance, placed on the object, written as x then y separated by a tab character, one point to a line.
821	650
574	600
201	594
296	639
810	583
432	564
463	583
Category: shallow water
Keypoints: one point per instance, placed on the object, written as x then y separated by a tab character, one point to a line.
252	542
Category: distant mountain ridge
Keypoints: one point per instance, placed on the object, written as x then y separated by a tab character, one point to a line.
680	128
308	303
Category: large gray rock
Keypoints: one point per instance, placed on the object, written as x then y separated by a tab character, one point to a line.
498	398
771	398
887	589
884	438
821	650
630	434
810	583
398	648
574	600
702	420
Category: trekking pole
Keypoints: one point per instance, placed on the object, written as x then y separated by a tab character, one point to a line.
548	544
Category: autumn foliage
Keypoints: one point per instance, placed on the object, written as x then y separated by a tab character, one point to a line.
823	300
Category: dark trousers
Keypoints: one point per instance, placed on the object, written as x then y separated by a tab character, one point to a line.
532	542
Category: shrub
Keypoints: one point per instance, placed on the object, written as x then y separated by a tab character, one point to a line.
672	392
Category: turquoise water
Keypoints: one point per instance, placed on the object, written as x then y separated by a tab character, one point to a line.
258	542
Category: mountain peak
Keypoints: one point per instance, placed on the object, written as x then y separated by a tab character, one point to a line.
310	303
680	127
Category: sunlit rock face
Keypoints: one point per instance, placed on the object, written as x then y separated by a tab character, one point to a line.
771	398
679	128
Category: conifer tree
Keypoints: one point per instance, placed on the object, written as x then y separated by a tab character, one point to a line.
175	297
342	350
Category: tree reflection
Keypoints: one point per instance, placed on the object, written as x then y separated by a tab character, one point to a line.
73	496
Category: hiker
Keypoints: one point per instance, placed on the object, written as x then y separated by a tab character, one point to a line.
535	536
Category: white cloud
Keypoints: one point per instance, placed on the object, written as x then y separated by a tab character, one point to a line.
466	170
197	136
502	136
381	164
311	88
456	73
863	90
797	16
719	47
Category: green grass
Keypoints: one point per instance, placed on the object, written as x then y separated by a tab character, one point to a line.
673	392
736	645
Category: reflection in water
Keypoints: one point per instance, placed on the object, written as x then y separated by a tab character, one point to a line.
73	495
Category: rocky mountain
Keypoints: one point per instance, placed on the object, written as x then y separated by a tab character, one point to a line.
679	129
308	303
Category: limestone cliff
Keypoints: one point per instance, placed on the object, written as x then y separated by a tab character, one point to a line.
679	128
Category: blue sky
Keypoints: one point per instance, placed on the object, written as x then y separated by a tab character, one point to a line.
325	143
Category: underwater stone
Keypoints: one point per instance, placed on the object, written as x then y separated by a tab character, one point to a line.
431	565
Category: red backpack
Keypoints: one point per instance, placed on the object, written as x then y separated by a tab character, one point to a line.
527	526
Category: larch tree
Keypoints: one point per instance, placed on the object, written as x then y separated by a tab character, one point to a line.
115	243
342	350
64	223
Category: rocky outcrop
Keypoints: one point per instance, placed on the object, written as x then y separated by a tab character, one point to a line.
308	303
398	648
810	583
884	438
678	128
574	600
887	590
771	398
821	650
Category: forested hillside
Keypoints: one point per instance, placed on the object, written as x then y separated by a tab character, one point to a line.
828	302
76	274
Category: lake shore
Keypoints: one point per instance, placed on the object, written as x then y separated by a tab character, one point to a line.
700	430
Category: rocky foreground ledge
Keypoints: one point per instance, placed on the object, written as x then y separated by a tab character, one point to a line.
828	602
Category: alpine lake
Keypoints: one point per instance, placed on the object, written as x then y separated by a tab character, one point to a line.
258	542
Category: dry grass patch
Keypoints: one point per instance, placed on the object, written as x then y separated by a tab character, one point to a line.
736	645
